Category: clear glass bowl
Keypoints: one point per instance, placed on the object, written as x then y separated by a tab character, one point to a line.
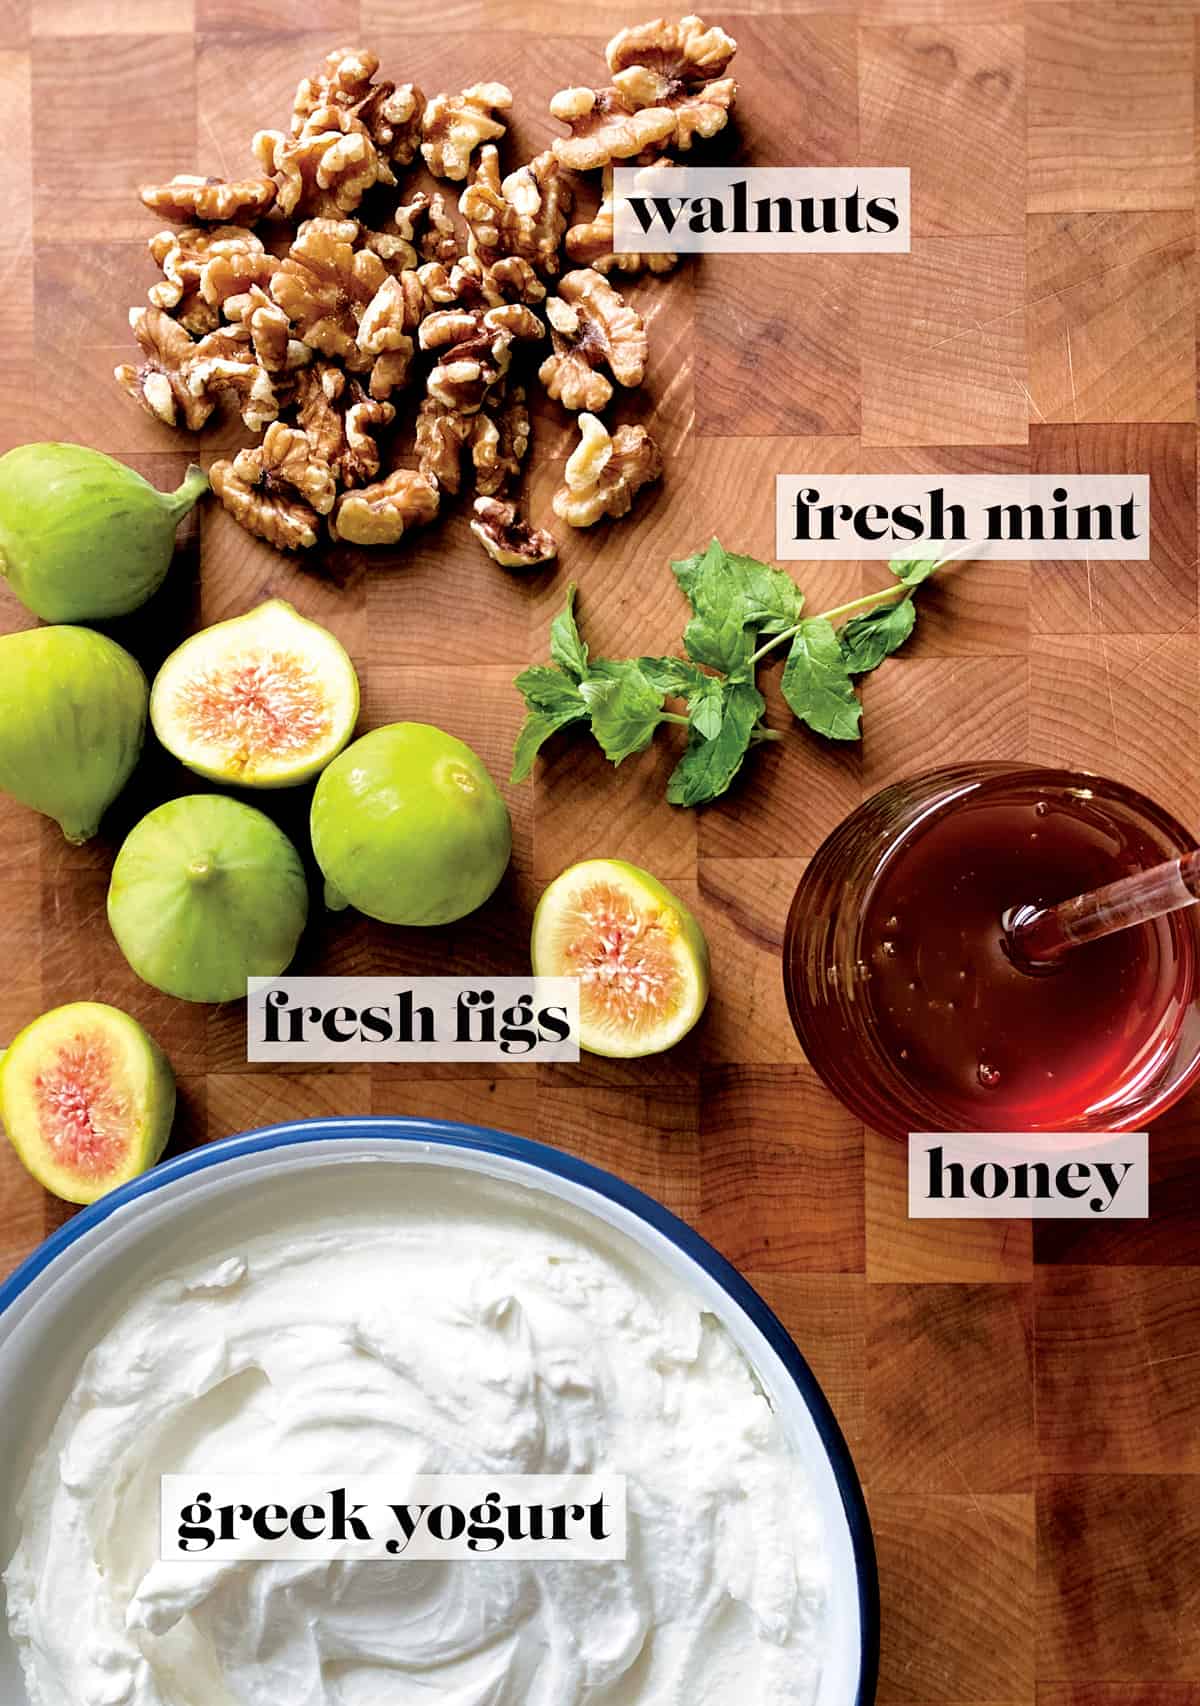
828	977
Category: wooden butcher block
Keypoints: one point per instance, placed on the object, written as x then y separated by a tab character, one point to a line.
1022	1405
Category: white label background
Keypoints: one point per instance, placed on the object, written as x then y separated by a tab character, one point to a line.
791	182
439	994
1055	1149
377	1493
975	492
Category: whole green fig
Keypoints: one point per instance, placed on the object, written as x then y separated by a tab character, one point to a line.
82	537
408	826
72	718
205	893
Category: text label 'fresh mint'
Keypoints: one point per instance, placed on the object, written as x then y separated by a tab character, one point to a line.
215	1519
692	210
1017	517
1028	1176
422	1018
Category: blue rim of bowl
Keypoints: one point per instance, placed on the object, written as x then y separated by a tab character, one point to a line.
450	1134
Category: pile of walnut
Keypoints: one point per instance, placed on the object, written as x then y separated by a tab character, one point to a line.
314	343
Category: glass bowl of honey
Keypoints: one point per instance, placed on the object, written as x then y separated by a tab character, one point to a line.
906	994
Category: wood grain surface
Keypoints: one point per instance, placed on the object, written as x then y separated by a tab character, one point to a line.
1022	1406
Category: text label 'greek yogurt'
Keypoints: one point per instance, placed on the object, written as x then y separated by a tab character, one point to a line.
1041	1175
692	210
1017	517
420	1018
292	1519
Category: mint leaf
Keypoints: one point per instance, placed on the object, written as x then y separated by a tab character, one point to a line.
625	707
685	568
706	707
685	680
867	639
545	688
911	571
566	648
772	600
717	634
734	599
535	732
817	685
709	765
676	676
553	702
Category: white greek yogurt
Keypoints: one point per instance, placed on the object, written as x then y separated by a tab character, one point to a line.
480	1328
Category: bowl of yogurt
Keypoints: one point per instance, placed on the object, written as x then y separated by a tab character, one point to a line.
384	1296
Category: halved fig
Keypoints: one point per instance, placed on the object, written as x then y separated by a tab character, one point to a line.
87	1098
264	700
640	956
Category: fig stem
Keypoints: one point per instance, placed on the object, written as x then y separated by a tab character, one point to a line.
193	484
200	869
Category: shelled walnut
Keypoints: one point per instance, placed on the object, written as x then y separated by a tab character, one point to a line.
159	382
382	514
496	438
312	328
212	200
384	332
591	325
678	68
278	489
187	256
668	87
391	116
324	285
605	126
341	422
270	331
454	126
523	215
225	362
439	239
474	349
590	243
508	539
605	472
325	170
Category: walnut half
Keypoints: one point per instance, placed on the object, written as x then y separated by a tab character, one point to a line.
667	89
278	489
496	437
522	215
605	126
678	68
212	200
592	326
605	472
590	244
454	126
159	382
508	539
382	514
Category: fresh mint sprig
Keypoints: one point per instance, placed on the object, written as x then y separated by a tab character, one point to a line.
741	611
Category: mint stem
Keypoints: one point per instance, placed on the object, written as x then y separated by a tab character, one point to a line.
867	598
896	593
775	640
674	717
